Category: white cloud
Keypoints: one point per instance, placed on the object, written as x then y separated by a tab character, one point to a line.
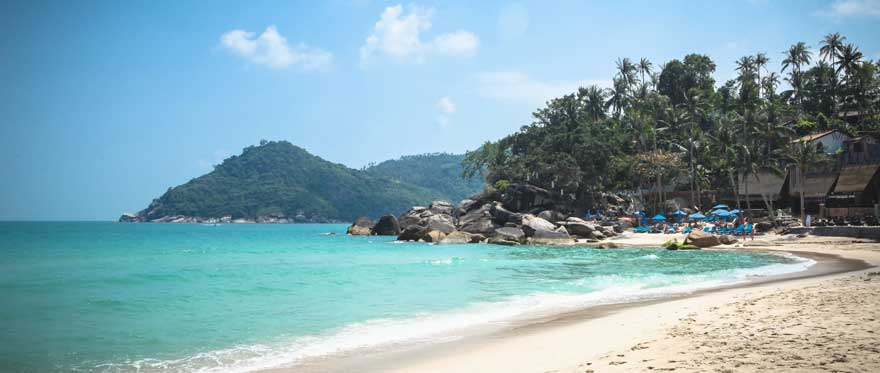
521	88
447	108
271	49
840	9
446	105
513	21
397	34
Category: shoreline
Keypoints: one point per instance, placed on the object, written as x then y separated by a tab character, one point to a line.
558	340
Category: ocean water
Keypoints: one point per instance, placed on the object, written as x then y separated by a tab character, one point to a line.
115	297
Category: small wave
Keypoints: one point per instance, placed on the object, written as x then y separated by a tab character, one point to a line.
445	261
650	257
431	327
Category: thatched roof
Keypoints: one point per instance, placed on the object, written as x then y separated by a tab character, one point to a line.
855	178
816	185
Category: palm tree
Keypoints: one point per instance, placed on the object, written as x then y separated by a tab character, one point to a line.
760	61
626	72
618	97
805	156
831	46
644	67
797	56
594	102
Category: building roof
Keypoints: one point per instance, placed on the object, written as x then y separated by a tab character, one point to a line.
815	185
855	178
814	136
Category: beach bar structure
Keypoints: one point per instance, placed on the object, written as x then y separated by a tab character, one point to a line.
856	192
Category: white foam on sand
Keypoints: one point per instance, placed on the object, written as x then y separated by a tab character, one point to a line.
446	326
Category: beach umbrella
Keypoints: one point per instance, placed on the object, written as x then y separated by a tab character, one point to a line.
697	216
722	207
734	212
721	212
678	214
658	217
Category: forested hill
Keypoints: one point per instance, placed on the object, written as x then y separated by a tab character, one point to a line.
278	180
438	172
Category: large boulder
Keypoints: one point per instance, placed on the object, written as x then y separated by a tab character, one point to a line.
477	221
552	215
578	228
442	207
434	236
441	226
503	215
531	224
412	217
500	241
727	239
456	237
554	237
387	226
412	233
510	234
701	239
363	226
518	197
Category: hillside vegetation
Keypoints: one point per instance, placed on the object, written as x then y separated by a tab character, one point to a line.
279	179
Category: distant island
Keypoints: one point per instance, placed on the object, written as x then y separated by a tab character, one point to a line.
278	182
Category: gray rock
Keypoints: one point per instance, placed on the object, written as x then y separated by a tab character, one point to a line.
441	226
501	241
456	237
581	229
531	224
510	234
363	226
387	226
477	221
442	207
501	214
412	233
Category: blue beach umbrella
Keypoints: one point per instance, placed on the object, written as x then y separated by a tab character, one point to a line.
722	213
734	212
723	207
697	216
658	217
678	214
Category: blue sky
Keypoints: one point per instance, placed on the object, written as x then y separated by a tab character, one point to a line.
106	104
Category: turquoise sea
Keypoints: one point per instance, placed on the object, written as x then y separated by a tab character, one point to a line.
88	296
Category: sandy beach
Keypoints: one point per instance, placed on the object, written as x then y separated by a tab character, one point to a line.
826	318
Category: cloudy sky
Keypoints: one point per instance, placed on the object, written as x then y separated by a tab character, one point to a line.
106	104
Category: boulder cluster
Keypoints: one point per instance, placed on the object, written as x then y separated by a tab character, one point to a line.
520	215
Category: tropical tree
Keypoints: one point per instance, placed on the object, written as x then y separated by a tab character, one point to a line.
797	56
805	156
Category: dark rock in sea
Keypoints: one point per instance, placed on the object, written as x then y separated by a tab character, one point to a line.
412	233
363	226
477	221
509	234
387	226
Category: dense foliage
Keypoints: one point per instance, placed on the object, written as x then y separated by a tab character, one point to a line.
676	127
438	172
279	179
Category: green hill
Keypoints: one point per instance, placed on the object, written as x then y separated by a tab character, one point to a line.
438	172
278	179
